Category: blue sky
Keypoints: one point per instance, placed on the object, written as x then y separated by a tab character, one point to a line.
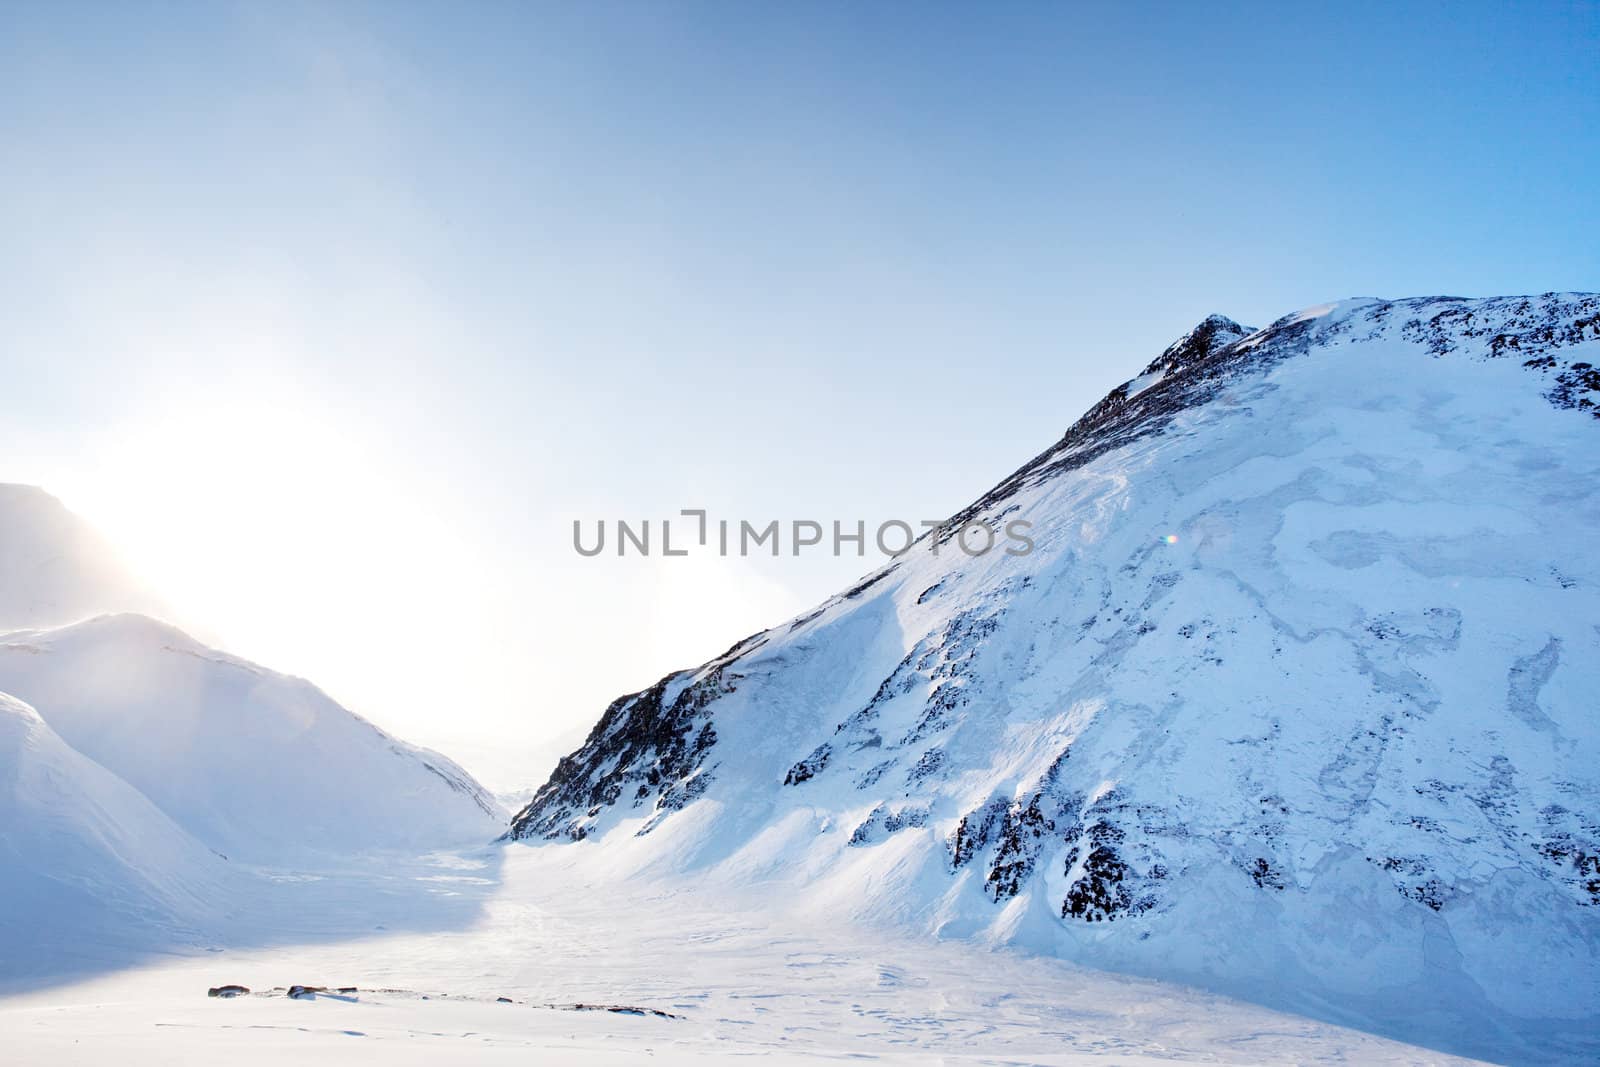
334	315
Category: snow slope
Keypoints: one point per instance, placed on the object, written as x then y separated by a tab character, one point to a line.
1293	700
55	569
84	858
256	765
159	796
738	979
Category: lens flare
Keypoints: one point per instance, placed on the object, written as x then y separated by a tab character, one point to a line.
1171	539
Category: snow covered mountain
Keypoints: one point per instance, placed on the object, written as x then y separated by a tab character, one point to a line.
1293	699
55	569
240	760
155	794
255	764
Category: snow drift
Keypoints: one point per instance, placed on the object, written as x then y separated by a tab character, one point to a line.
1294	698
84	858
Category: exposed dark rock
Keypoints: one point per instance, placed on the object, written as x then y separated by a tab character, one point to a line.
874	774
926	767
644	741
618	1009
884	821
1535	329
1099	892
809	767
1023	830
974	832
1265	875
943	660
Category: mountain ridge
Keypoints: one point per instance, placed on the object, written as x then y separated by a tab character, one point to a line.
226	746
1218	339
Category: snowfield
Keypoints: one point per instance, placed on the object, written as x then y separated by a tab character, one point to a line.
551	929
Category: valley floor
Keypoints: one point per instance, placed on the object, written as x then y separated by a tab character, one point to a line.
734	982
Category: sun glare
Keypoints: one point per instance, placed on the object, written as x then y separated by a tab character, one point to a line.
261	524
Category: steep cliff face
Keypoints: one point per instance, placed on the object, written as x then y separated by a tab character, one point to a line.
1293	697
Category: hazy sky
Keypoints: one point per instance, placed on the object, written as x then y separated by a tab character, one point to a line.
333	316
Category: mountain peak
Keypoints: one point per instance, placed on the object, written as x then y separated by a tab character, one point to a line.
1219	322
1210	334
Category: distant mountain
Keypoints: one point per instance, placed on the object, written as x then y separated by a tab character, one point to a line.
254	764
1294	697
56	569
257	765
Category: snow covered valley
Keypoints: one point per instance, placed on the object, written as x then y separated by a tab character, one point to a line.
1281	747
550	928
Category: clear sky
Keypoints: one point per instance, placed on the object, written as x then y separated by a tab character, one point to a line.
333	316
